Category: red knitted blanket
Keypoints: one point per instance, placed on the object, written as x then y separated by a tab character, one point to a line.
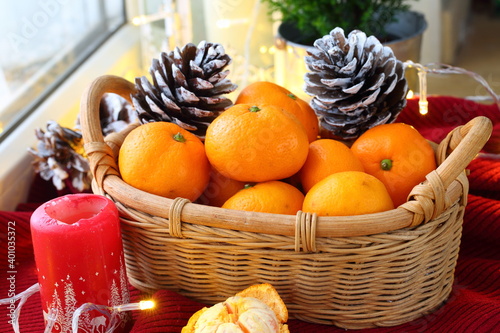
473	306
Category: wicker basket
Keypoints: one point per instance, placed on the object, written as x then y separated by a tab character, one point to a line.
355	272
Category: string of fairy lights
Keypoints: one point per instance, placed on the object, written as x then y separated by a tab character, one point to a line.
444	69
112	313
167	12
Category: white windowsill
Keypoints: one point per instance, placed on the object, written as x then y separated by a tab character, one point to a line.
16	172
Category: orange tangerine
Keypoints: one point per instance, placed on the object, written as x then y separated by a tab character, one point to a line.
398	155
163	159
347	193
264	92
269	197
256	143
327	156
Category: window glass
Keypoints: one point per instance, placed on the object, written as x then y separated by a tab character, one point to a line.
41	42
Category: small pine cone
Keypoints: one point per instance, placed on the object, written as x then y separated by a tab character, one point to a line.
356	83
58	157
115	113
187	87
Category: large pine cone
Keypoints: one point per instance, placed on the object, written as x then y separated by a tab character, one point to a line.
356	83
187	87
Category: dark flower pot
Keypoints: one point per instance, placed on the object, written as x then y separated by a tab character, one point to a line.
404	37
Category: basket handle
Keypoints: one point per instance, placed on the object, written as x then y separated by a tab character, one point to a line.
100	154
428	200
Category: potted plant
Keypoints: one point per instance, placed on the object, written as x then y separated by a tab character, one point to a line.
304	21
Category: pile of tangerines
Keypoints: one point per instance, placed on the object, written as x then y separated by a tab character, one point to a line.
264	154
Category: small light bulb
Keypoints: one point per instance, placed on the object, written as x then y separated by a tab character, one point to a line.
423	107
423	104
141	305
137	20
145	305
410	94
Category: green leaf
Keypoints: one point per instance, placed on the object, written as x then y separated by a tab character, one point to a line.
317	18
179	137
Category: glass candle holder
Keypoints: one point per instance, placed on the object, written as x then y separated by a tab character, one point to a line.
79	257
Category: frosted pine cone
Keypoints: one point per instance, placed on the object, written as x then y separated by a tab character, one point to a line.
115	113
356	83
188	87
58	157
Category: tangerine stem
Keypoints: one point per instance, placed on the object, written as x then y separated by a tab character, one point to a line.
292	96
254	109
386	164
179	137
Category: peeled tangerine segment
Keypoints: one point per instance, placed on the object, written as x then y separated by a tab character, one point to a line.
257	309
238	314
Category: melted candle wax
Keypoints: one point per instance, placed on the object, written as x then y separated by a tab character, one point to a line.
79	258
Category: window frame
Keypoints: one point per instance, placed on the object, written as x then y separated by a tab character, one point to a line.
16	171
17	111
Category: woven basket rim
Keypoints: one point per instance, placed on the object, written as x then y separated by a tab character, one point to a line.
327	226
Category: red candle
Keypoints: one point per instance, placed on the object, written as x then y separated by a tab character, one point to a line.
79	258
